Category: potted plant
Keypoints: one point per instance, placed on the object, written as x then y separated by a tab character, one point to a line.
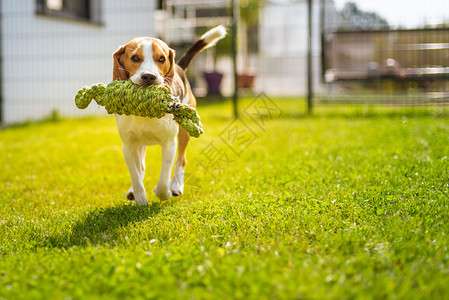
250	18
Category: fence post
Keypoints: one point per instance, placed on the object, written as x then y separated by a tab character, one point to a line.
235	16
1	67
323	6
309	58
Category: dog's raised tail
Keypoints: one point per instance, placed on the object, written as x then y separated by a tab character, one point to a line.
207	40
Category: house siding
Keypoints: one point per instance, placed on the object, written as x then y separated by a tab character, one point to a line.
45	60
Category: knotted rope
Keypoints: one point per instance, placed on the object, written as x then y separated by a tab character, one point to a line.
127	98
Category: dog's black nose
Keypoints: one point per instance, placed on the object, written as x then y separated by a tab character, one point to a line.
148	78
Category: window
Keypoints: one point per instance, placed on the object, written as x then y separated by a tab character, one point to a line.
88	10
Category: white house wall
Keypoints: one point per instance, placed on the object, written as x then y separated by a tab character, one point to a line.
45	60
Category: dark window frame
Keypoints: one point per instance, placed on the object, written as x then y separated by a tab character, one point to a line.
77	10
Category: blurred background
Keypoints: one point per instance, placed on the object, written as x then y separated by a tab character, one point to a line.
393	52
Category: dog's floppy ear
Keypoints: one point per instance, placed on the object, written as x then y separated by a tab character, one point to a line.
119	72
171	60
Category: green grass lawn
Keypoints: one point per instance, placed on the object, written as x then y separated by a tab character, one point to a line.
348	203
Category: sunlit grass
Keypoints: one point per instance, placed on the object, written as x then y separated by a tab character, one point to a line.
348	203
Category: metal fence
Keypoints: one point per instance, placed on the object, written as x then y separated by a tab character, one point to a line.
386	66
342	55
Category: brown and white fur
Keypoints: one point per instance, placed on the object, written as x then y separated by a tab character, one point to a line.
147	61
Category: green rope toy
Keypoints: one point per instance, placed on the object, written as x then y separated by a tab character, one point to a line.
125	97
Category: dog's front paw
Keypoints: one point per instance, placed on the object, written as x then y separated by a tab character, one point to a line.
162	193
140	199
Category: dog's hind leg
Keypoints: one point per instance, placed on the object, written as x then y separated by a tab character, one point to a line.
177	183
162	189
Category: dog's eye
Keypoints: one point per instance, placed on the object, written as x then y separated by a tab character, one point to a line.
135	58
161	59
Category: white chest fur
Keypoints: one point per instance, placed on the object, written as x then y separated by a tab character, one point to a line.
145	131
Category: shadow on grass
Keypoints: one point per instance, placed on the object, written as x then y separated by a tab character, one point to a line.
103	226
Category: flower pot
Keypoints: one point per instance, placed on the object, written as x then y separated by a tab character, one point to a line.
245	80
213	80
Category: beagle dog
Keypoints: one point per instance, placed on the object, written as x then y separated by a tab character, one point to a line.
147	61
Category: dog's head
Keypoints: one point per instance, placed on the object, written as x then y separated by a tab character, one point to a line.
145	61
